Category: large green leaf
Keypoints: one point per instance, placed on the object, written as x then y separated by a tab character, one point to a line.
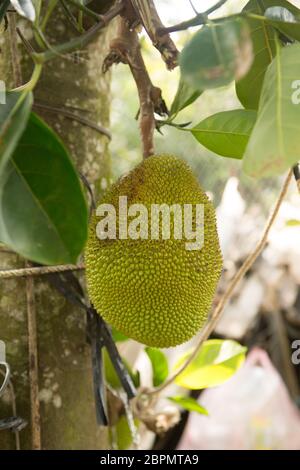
263	38
217	54
274	143
14	115
285	21
215	363
189	403
43	212
185	96
160	368
226	133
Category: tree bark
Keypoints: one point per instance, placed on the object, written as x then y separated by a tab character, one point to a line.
68	419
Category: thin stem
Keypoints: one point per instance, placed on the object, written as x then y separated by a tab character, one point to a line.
51	6
68	114
200	18
70	16
126	48
29	86
80	41
213	320
193	7
84	9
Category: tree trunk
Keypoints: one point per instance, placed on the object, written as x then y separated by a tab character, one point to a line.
64	365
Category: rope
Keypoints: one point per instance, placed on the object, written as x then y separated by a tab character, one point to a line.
39	270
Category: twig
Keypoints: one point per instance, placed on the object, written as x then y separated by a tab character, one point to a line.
40	270
213	320
84	9
193	7
69	15
147	13
70	115
126	49
33	365
199	19
82	40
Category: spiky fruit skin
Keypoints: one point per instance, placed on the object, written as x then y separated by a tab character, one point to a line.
155	291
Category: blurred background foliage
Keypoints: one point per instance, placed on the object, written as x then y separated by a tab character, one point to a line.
212	171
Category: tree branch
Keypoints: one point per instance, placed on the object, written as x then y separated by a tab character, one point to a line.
147	13
126	49
199	19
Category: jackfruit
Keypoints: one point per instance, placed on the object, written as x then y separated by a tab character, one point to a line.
155	291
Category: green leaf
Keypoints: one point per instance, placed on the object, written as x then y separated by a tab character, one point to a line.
217	54
215	363
248	89
226	133
43	212
159	364
14	115
185	96
118	337
280	14
189	403
112	377
274	143
292	223
24	8
120	433
284	21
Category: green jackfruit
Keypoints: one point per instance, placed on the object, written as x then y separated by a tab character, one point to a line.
155	291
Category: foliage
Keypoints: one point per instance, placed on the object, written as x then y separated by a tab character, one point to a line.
215	363
50	226
43	209
245	48
189	404
160	368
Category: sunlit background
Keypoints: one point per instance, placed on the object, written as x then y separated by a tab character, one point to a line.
212	170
